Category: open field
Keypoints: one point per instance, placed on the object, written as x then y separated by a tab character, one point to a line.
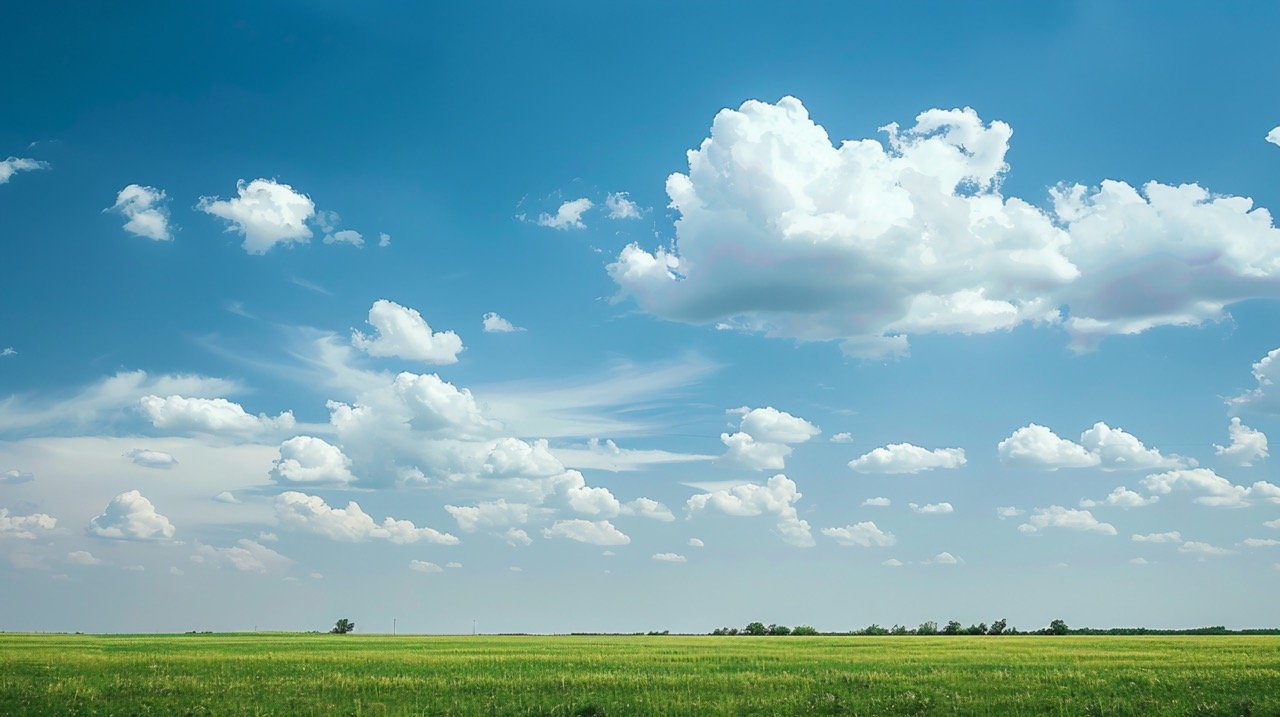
372	675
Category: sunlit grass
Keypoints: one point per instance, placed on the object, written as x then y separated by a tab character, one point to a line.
369	675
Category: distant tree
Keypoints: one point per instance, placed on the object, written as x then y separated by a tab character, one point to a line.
733	631
343	626
1058	627
779	630
997	627
928	627
755	628
953	628
874	629
898	630
804	630
979	629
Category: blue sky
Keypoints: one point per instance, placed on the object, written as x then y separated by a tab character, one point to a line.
992	288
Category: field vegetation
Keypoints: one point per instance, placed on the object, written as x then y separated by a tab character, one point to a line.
292	674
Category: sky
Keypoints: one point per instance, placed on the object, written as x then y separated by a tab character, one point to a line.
623	317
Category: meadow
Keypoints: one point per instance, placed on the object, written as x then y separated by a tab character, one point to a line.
277	674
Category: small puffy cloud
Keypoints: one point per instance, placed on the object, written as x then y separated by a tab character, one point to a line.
876	502
893	563
13	165
8	351
669	558
345	236
696	543
453	566
865	534
620	206
422	566
842	438
15	476
1172	536
588	500
516	538
148	458
1121	497
904	458
306	460
490	515
1272	524
1263	397
1036	446
1203	550
1138	561
495	324
777	497
1260	542
144	209
1215	490
209	415
23	527
82	557
1118	450
130	516
265	212
931	508
1056	516
568	216
403	333
351	524
1247	445
1005	512
246	555
648	508
765	436
226	497
593	532
1274	136
384	239
943	558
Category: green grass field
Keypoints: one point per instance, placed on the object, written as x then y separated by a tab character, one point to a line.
370	675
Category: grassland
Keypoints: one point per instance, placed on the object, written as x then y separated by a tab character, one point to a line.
370	675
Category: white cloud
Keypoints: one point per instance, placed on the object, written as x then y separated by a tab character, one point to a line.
669	558
403	333
696	543
648	508
1008	511
876	502
130	516
1263	397
1272	524
247	556
865	534
13	165
898	458
1121	497
1274	136
384	239
893	563
784	233
226	497
148	458
495	324
351	524
205	415
145	210
1172	536
568	216
1056	516
306	460
265	212
516	537
765	436
1260	542
423	566
620	206
8	351
1138	561
345	236
82	557
15	477
1216	491
105	397
1247	445
608	456
943	558
598	532
1036	446
23	527
1204	550
1118	450
842	438
453	566
489	514
777	497
589	500
931	508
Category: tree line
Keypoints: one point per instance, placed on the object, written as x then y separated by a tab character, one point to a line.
998	627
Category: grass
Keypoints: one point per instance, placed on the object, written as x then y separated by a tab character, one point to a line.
371	675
